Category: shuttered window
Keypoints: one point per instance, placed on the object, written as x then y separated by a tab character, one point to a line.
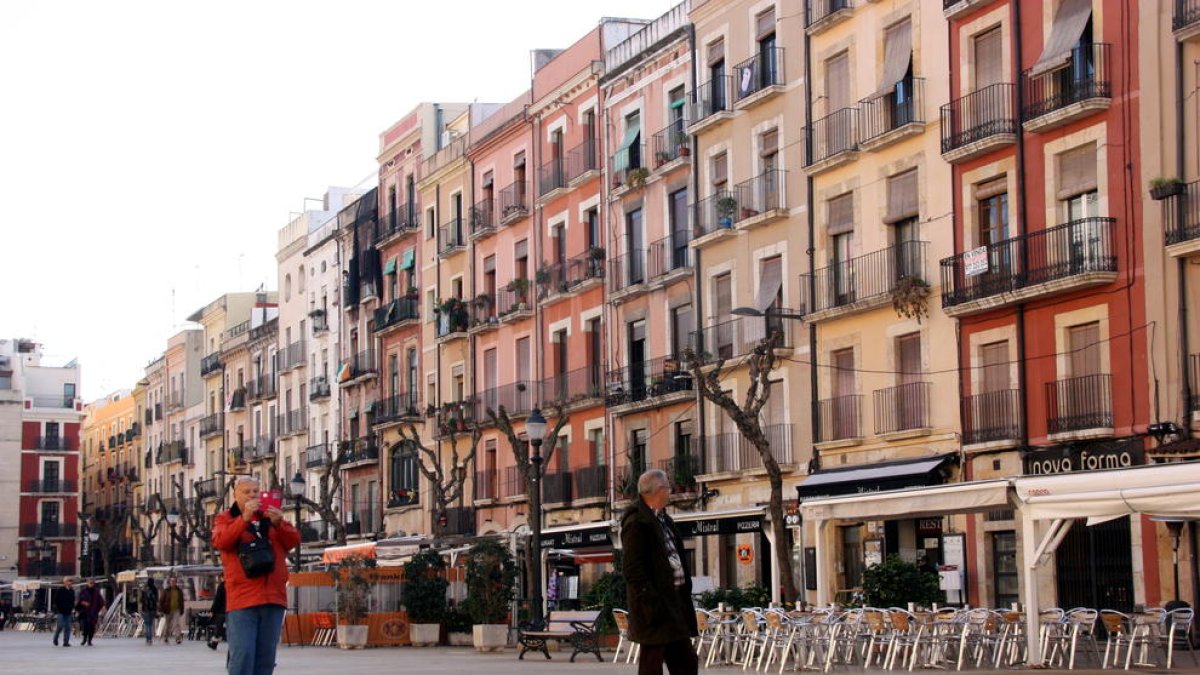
908	351
1084	343
989	59
770	143
837	82
994	359
1077	171
765	24
840	214
720	175
724	299
716	52
902	197
843	372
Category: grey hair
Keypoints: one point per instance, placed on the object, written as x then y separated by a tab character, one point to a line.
651	480
246	479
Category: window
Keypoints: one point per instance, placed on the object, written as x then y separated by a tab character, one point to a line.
993	359
592	223
558	245
519	177
394	375
683	323
524	362
837	83
852	557
430	223
676	120
635	248
844	406
768	56
1077	184
405	475
843	271
902	211
719	172
287	289
989	59
1004	568
1083	341
637	453
723	313
680	231
683	448
716	76
411	380
50	512
769	154
596	441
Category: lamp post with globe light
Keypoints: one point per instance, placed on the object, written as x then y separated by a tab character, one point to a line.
297	487
535	428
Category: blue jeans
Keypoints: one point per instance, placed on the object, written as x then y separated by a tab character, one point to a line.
148	622
63	627
253	635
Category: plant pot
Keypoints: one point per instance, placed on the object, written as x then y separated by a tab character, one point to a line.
726	222
490	637
460	639
684	151
351	637
1164	191
748	213
424	634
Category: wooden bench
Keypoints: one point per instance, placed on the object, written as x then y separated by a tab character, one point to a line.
579	628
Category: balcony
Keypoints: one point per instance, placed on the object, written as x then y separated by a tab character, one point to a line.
291	356
512	483
902	411
1185	21
894	116
293	422
591	482
404	219
671	146
514	203
955	8
583	162
515	398
456	416
317	456
648	384
581	386
736	338
54	443
50	530
832	141
731	453
171	452
487	485
626	274
669	259
319	320
979	122
714	218
360	451
761	200
483	220
864	283
552	177
709	105
261	387
992	419
483	314
397	313
840	421
262	450
682	470
1059	259
45	568
1081	88
634	174
512	301
402	496
452	238
453	319
1079	407
759	78
402	407
56	402
556	487
565	278
212	425
1181	219
209	488
363	366
210	364
822	14
174	401
318	388
51	486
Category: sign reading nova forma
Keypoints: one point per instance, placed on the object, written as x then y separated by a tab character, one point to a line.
1068	458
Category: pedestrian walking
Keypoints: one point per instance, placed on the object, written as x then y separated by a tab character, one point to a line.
217	627
170	605
148	599
6	612
90	604
62	603
659	587
253	543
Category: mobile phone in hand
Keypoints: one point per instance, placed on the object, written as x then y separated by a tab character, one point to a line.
270	498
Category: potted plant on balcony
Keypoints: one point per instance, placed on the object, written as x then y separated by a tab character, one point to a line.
726	207
681	143
425	597
491	578
661	157
637	177
910	297
1162	188
353	591
412	293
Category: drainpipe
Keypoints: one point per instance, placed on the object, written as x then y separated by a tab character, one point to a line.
814	397
1185	389
1022	211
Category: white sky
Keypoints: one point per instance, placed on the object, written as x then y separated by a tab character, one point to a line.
150	151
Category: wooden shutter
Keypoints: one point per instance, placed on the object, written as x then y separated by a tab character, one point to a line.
720	170
840	214
908	350
1084	343
765	24
1077	171
989	59
994	359
716	51
902	197
724	300
523	360
837	83
770	143
843	374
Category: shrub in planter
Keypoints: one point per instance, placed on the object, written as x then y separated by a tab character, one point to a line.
458	627
1161	188
353	599
895	583
425	594
607	593
491	579
753	595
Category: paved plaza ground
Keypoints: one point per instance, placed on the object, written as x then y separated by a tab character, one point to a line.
23	653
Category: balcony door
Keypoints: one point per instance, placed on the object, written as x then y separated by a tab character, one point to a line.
489	379
842	285
992	408
839	130
723	290
637	360
910	403
993	229
844	412
635	247
1080	395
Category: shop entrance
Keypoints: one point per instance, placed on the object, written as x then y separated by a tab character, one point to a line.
1095	566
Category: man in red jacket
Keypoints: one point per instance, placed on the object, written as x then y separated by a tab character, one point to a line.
254	606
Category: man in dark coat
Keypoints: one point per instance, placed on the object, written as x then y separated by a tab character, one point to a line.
62	603
661	616
91	603
149	608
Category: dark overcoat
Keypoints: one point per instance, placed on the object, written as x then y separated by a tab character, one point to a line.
659	613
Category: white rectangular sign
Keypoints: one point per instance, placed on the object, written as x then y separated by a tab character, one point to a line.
975	261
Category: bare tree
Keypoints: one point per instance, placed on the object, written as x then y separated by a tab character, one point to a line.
109	526
746	416
447	480
155	518
329	487
520	446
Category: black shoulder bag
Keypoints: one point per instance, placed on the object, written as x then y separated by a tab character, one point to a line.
257	556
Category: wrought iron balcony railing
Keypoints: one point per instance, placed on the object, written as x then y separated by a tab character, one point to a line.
710	98
514	202
573	386
866	278
397	312
832	135
992	417
581	159
645	381
840	418
737	337
728	452
759	72
1079	404
894	110
1086	76
904	407
1186	228
979	115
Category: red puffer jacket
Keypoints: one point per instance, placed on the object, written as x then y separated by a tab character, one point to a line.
229	530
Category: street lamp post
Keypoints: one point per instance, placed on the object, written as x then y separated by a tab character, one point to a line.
172	521
93	537
297	486
39	550
535	427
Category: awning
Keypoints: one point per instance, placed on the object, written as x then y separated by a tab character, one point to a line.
938	500
579	535
897	56
336	553
1069	22
732	521
677	103
632	133
875	478
407	259
390	266
1168	489
126	576
768	286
